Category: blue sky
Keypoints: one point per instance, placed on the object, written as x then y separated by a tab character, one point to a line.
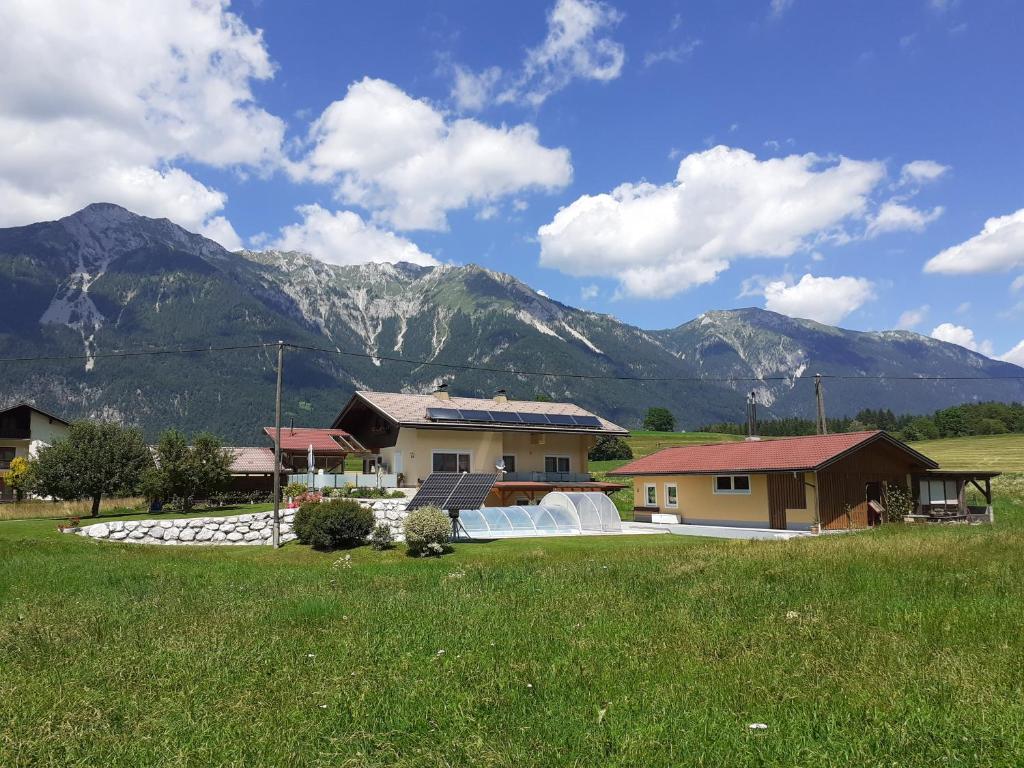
651	160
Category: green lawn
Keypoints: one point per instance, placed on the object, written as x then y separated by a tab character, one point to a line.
894	647
1003	453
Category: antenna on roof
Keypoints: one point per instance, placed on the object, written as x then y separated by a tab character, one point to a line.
819	395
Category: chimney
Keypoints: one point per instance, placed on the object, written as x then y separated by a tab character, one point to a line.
501	396
441	393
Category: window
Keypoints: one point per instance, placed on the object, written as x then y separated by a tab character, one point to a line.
732	483
451	462
6	456
939	492
510	462
671	495
556	463
651	492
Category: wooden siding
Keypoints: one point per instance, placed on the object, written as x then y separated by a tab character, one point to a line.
842	485
785	491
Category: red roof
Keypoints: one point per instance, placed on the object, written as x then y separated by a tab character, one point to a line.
784	455
249	461
324	441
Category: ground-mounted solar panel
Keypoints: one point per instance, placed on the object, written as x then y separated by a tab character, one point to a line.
444	414
453	490
587	421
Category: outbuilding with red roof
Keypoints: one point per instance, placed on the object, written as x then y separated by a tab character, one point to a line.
817	482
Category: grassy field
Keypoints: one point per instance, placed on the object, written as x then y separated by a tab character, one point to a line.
62	509
1003	453
900	646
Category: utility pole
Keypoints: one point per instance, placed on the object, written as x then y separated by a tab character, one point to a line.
277	448
819	394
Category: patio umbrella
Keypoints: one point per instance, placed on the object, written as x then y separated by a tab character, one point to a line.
311	461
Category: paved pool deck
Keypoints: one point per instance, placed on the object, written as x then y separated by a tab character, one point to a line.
714	531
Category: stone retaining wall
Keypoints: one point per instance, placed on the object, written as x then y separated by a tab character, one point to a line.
250	529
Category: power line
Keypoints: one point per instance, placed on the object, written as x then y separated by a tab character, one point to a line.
503	371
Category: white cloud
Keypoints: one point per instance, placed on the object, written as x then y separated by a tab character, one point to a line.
922	171
471	91
723	204
588	292
963	308
893	217
912	318
958	334
825	299
999	246
779	7
575	48
1015	355
343	237
675	54
1017	284
399	157
100	101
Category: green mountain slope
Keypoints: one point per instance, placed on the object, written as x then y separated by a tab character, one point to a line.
105	279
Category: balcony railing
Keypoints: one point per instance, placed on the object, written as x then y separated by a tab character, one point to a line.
547	477
328	480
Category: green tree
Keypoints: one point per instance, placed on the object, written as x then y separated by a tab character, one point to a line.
19	477
93	461
659	420
953	422
921	428
186	472
610	447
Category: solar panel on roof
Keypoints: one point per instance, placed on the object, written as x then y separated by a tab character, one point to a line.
472	415
587	421
561	419
506	417
453	490
444	414
533	418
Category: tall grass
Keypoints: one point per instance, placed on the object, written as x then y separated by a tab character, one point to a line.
30	510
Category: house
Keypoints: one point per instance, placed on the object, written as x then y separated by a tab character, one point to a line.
24	429
819	482
538	447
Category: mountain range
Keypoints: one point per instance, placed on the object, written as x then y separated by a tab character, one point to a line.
105	280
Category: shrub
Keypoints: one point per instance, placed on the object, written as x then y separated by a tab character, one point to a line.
381	537
333	524
898	502
374	493
427	531
609	448
294	490
659	420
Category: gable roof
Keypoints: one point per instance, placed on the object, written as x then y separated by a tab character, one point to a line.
248	460
409	410
47	414
324	441
791	454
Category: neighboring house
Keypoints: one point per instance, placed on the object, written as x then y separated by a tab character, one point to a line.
24	429
252	468
819	482
542	446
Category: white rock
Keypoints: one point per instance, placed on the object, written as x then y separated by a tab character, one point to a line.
227	527
131	525
166	524
266	533
234	536
99	531
171	534
252	536
258	525
187	534
242	528
204	534
197	523
117	535
219	536
136	534
157	533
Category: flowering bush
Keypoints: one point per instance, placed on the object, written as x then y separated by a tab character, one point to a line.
294	490
381	538
427	530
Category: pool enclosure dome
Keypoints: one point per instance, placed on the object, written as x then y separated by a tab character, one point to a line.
558	514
